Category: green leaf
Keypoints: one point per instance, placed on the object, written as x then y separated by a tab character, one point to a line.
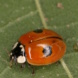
20	16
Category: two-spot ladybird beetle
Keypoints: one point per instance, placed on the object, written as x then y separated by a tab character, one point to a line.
38	47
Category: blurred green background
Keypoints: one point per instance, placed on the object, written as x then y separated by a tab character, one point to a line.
20	16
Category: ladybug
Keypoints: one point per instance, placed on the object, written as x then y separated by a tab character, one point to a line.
38	47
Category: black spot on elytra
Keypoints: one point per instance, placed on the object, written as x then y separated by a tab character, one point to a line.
47	51
38	31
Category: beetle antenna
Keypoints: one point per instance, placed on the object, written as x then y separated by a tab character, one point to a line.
11	63
7	52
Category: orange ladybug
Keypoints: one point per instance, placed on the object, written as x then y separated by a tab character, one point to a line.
38	47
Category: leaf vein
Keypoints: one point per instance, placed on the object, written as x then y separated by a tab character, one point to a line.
18	20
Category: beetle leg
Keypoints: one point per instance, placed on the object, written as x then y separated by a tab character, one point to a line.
23	65
15	62
57	63
11	63
31	68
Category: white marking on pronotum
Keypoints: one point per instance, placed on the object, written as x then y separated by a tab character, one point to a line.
15	45
21	59
29	49
22	48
